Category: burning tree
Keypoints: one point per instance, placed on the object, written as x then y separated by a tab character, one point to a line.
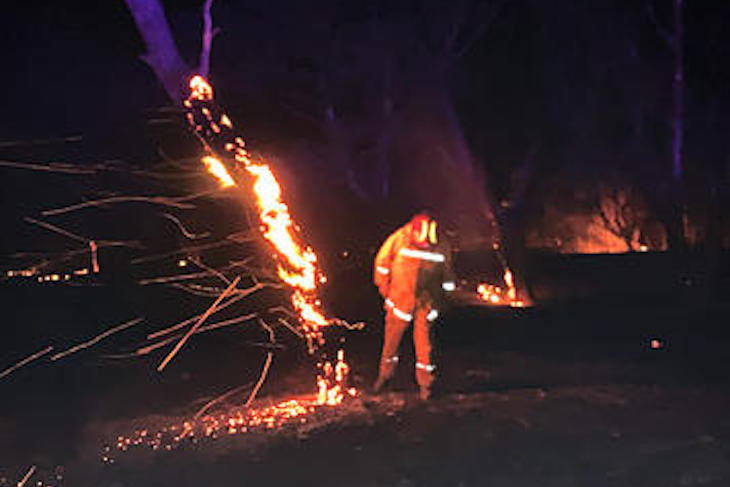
368	86
296	272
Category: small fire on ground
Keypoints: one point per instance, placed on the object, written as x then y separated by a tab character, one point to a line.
501	295
332	390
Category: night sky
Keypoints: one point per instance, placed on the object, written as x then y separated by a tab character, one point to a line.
579	89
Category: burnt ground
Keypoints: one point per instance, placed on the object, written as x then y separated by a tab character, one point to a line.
590	435
567	393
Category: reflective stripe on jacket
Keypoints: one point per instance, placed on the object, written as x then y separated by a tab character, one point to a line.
406	275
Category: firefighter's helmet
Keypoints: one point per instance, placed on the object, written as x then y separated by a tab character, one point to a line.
424	230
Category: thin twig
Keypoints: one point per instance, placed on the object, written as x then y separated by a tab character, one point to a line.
183	323
213	326
262	378
207	313
267	363
15	143
96	339
203	266
175	278
197	290
27	476
183	230
56	229
220	398
184	250
25	361
173	201
157	200
290	327
58	168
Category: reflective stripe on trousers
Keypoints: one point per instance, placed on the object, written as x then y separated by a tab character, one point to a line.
430	368
399	313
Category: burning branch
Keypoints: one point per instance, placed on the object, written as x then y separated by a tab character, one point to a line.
296	263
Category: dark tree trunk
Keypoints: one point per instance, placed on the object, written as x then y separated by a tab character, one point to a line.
678	93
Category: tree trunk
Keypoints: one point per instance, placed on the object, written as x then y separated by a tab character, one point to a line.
162	53
678	92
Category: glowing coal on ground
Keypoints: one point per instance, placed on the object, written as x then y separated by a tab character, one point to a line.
332	389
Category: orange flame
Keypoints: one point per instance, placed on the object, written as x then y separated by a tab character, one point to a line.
296	263
497	296
200	89
332	382
217	169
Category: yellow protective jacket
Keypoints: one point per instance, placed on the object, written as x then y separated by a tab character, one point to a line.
408	276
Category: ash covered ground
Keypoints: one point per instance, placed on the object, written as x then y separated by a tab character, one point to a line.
570	392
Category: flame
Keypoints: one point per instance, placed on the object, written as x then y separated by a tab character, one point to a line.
200	89
217	169
296	263
332	382
496	295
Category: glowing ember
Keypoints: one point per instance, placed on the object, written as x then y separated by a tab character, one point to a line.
235	422
296	263
501	296
332	390
217	169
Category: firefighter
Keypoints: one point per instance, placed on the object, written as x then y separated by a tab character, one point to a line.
412	272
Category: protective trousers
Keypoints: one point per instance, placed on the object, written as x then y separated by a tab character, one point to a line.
394	329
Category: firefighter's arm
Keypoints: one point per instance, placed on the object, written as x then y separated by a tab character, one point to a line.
383	262
449	276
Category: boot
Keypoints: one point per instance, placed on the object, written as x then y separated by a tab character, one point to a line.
424	393
379	385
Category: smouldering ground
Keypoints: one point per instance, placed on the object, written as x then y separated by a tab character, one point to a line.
552	397
589	435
